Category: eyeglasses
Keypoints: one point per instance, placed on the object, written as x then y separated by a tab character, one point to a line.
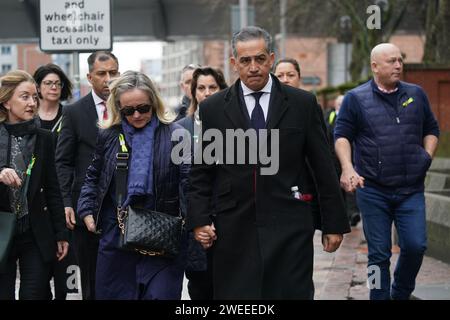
129	111
50	84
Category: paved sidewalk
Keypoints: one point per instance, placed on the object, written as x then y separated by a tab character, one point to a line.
342	275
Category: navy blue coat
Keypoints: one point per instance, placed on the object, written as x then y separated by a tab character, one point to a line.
119	272
98	178
388	141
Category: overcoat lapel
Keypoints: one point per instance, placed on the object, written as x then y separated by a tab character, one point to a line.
234	108
36	172
278	105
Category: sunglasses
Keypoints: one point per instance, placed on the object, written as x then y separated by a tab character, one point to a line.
129	111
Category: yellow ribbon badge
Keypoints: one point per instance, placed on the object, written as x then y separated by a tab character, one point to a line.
405	104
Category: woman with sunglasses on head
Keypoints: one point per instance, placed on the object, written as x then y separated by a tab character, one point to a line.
53	87
29	189
139	124
205	82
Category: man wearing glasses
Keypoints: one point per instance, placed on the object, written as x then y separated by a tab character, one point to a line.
76	145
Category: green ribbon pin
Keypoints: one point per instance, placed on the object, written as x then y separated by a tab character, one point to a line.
31	165
405	104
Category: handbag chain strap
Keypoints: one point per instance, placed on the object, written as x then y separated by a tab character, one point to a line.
121	181
122	158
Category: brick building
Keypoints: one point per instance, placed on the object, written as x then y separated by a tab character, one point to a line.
436	83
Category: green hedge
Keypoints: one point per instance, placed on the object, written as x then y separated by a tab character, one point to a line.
341	89
444	145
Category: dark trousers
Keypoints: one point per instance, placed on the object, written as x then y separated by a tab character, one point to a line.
200	284
34	271
61	271
86	249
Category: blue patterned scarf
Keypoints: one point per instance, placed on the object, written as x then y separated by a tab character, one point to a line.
140	174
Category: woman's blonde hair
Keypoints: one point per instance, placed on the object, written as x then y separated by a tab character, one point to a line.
8	84
130	80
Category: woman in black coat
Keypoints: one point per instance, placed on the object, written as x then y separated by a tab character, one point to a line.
54	87
205	82
29	189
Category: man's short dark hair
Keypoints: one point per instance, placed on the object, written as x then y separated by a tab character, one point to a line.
100	56
251	33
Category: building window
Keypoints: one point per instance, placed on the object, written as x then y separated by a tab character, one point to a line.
6	50
6	68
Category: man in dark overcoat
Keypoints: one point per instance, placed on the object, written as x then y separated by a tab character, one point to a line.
262	235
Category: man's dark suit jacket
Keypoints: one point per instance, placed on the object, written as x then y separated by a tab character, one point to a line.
264	246
76	146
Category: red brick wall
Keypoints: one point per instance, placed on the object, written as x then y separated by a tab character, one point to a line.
311	54
29	57
436	83
412	46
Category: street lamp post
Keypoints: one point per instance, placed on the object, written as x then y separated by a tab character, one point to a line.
243	9
76	74
345	26
283	9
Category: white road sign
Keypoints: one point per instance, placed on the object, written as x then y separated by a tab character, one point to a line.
83	25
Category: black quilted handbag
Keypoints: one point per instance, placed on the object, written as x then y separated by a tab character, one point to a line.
150	232
145	231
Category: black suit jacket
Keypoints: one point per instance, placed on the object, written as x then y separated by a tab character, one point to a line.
44	199
75	149
264	248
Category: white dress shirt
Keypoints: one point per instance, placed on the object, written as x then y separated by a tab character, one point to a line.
100	108
263	101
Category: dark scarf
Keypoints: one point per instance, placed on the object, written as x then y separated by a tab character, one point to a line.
27	131
140	175
17	143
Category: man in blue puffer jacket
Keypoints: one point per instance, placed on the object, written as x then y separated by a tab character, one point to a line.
394	134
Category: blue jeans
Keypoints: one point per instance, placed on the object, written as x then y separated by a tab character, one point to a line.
379	210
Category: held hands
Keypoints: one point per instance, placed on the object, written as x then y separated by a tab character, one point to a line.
70	217
90	223
206	235
331	242
63	247
350	180
9	177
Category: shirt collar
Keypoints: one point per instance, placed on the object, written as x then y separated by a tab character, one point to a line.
387	91
267	88
97	99
384	90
